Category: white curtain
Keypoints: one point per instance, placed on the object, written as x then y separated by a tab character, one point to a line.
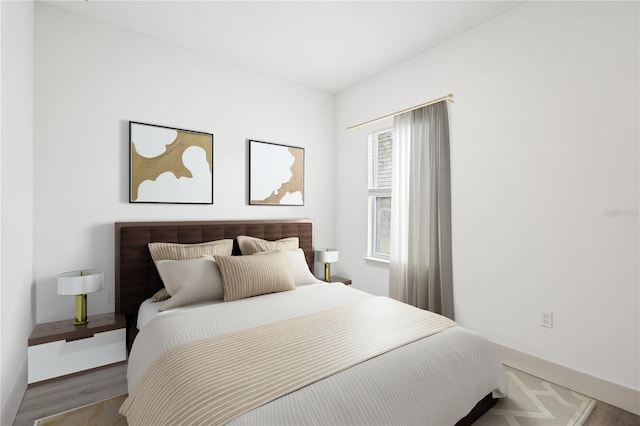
420	271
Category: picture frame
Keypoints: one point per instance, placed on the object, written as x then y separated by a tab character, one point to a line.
276	174
169	165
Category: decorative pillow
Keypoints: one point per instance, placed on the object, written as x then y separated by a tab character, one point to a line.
246	276
160	295
177	251
297	266
252	245
190	281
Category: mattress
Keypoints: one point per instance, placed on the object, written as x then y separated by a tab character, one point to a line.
435	380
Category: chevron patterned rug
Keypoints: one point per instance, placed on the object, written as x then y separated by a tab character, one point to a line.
535	402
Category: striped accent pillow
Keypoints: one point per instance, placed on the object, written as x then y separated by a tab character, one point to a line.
247	276
177	251
252	245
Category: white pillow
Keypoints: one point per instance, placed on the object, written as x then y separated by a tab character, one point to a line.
190	281
297	266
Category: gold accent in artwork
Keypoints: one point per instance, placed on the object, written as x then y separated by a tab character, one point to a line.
276	174
170	170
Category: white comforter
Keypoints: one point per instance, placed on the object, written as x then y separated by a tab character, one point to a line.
434	381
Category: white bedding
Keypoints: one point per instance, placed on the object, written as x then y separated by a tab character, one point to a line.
433	381
149	310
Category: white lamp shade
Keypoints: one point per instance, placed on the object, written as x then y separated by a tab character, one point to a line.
80	282
327	255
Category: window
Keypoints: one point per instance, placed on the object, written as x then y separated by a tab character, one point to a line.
380	193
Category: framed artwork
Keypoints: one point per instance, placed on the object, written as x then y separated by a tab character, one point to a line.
169	165
276	174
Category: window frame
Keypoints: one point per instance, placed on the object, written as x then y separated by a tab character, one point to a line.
374	194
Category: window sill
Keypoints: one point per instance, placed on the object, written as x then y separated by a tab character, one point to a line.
376	259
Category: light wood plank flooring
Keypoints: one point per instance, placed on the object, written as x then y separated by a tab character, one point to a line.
62	395
607	415
42	400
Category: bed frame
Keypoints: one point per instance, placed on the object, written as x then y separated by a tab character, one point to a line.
136	277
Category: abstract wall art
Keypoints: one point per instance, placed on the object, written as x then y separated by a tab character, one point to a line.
169	165
276	174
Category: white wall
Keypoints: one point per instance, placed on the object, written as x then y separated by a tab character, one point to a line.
16	199
90	79
544	146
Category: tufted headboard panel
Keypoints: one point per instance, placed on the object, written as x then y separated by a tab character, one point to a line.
136	277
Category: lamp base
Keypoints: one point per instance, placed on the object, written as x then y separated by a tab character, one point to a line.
327	272
81	310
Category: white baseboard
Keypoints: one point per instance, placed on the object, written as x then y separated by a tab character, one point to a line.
10	411
595	387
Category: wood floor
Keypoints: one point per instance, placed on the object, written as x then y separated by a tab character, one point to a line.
606	415
62	395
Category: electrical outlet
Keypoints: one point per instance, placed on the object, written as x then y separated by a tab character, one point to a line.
546	319
112	297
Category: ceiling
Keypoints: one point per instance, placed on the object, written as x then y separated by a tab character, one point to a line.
328	45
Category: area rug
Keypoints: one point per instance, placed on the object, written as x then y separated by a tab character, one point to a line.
536	402
531	402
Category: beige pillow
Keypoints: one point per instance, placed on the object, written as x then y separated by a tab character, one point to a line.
190	281
252	245
177	251
246	276
160	295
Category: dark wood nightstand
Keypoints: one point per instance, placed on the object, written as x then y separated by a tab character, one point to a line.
60	348
336	279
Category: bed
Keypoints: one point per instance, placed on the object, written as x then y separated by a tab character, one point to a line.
440	376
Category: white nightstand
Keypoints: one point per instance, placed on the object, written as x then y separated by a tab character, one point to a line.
60	348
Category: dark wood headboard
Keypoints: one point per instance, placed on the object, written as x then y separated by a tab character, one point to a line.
136	277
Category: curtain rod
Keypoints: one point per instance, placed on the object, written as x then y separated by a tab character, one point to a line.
449	98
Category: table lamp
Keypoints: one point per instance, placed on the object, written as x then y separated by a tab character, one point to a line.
327	256
79	283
